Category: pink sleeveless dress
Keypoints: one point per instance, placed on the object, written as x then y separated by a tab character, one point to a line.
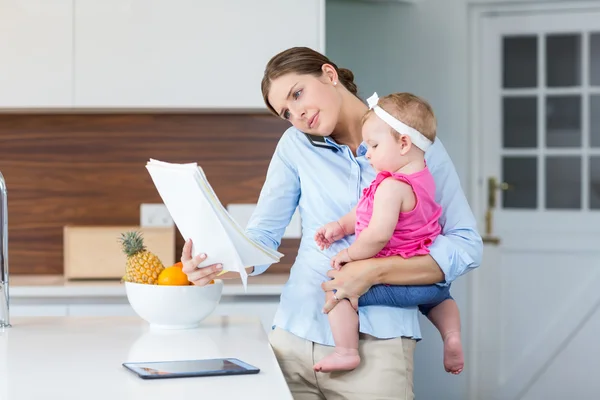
416	229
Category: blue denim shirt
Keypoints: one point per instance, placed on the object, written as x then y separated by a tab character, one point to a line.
326	184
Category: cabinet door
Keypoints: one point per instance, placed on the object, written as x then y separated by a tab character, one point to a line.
101	310
39	310
36	41
185	53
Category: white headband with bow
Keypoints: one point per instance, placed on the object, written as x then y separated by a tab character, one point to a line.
417	138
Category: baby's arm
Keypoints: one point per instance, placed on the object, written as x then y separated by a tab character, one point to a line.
348	222
387	205
334	231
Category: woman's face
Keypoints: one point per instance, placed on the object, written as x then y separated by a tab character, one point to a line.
312	104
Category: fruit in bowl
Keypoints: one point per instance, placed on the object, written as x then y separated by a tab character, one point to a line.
174	276
164	297
142	265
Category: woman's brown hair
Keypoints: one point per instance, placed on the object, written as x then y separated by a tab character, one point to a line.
302	61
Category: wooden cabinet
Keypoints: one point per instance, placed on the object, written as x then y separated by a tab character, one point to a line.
36	53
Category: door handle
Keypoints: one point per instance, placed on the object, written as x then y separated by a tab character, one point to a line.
493	188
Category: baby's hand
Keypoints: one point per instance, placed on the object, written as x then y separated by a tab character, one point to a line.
340	259
328	234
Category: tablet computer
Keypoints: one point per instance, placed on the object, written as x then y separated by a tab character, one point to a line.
190	368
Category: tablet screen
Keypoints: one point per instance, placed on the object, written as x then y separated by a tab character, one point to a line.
220	366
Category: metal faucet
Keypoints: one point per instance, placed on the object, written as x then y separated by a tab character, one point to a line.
4	297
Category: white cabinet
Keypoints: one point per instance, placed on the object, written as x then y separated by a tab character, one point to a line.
185	53
39	310
263	307
101	310
147	54
36	53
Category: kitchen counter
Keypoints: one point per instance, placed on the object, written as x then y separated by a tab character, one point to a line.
80	357
54	296
49	286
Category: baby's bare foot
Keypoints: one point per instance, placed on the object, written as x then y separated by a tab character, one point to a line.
339	360
453	353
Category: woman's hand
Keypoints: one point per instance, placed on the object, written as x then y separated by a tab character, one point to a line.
198	276
351	282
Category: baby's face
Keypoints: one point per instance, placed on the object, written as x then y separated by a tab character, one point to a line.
383	149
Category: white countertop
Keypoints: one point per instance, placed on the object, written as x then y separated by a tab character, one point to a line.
58	286
81	358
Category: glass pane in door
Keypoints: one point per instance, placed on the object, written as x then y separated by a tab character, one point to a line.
519	55
595	120
563	60
563	121
519	122
595	59
595	182
521	174
563	182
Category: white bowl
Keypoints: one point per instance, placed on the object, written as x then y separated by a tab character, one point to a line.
174	307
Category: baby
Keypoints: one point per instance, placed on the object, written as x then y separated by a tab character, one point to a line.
396	215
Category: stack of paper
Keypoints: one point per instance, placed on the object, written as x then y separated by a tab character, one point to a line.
199	215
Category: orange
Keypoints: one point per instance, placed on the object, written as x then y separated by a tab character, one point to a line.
173	276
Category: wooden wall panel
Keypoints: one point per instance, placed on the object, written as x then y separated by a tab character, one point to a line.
90	170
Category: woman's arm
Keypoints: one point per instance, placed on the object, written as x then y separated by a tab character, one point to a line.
278	200
459	248
418	270
357	277
276	205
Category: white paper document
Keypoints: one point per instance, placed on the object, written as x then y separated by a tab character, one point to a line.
199	215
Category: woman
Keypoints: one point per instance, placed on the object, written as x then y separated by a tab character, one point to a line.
323	175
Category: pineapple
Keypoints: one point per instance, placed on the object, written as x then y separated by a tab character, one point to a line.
142	265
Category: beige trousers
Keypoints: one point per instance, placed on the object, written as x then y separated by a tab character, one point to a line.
385	371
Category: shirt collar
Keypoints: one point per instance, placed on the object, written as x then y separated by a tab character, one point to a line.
361	150
332	142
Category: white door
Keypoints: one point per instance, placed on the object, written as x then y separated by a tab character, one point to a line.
537	294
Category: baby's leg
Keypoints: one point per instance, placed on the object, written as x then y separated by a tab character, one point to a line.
436	303
446	318
344	327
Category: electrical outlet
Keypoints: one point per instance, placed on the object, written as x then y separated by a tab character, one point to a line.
155	215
